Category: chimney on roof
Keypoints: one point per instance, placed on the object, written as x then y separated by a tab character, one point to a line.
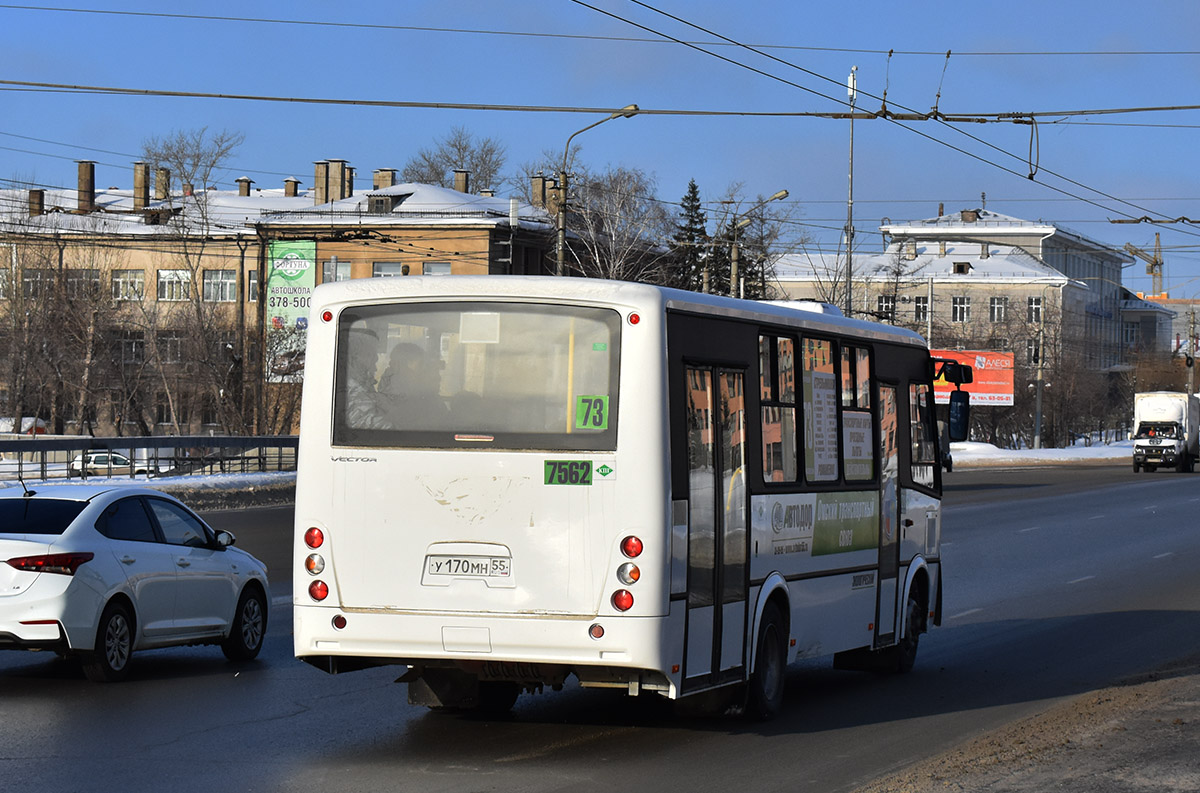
462	180
350	174
487	192
983	251
188	189
320	181
87	186
383	178
942	248
141	185
538	184
37	203
336	187
243	183
291	187
941	209
970	215
162	184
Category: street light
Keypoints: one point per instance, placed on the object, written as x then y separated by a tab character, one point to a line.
626	112
740	224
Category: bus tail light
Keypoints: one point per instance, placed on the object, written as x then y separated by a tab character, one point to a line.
631	546
622	600
314	538
596	631
339	621
314	564
318	590
629	573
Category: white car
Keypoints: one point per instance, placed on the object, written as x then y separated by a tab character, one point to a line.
100	571
101	462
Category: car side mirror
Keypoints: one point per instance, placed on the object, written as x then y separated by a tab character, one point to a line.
225	539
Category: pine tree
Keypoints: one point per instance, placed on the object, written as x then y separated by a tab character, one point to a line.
689	246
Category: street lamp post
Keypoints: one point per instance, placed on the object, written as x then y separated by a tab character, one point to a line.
626	112
740	224
852	92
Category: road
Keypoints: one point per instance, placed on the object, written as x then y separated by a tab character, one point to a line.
1057	581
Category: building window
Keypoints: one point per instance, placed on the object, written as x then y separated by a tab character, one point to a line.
220	286
83	283
436	268
162	410
224	346
1129	333
252	287
998	309
36	283
885	305
128	284
174	285
133	347
1035	310
170	346
921	308
388	269
1032	349
334	270
960	309
962	268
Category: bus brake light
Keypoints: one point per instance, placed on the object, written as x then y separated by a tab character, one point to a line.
631	546
622	600
318	590
314	537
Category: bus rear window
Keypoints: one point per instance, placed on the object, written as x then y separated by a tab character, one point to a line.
477	375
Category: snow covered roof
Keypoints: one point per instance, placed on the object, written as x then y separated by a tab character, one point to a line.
231	214
961	261
974	223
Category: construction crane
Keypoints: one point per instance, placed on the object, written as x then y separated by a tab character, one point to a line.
1154	264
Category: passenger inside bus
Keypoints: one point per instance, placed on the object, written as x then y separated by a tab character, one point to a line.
363	407
410	388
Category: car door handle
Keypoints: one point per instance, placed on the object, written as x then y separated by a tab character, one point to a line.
183	562
128	560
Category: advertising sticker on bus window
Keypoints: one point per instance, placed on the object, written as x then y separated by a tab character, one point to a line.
591	413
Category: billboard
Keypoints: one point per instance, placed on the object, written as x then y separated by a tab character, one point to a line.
993	377
291	278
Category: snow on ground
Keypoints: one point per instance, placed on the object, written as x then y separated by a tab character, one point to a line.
970	453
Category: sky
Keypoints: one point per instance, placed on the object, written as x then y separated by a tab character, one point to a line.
1021	56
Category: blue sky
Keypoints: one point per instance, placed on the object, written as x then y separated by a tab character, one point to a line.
1128	164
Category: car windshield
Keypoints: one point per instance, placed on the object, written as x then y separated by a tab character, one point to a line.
1157	430
37	515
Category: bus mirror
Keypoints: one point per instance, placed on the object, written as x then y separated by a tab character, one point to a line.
960	415
953	372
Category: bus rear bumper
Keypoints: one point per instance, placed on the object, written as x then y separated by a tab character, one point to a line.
631	652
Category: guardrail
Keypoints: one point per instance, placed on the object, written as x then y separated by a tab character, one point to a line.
175	455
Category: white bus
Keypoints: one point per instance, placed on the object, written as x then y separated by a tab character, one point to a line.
504	481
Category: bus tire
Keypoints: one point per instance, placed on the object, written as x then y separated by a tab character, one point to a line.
906	648
765	699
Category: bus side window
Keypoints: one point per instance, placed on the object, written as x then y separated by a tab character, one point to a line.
922	430
820	410
858	437
777	393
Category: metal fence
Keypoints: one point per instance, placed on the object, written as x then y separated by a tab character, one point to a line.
65	457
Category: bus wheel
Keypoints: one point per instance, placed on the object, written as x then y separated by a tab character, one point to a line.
770	665
906	649
496	697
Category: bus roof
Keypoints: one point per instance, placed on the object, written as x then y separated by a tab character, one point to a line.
590	290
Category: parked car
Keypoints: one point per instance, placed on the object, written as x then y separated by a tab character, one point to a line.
101	462
99	572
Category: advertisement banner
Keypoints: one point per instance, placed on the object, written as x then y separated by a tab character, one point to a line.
291	278
993	373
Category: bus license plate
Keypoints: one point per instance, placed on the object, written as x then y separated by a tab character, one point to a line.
469	566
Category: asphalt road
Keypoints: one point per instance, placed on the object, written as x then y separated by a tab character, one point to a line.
1057	581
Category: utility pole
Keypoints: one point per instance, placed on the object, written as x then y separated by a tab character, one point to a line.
852	90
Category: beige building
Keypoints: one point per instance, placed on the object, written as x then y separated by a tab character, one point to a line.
128	312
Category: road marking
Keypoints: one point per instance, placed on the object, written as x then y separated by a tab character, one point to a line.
963	614
1097	517
1031	528
1165	555
1078	580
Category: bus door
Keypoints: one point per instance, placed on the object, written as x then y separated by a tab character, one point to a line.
889	516
718	537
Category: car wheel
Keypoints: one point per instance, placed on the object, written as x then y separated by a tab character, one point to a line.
108	662
249	626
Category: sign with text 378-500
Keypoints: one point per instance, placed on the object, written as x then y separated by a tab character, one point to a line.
291	278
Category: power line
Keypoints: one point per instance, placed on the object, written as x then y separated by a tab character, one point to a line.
592	37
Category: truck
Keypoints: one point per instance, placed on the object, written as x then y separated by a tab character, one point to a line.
1165	431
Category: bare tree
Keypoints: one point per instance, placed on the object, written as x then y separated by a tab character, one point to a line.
192	155
459	150
620	228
